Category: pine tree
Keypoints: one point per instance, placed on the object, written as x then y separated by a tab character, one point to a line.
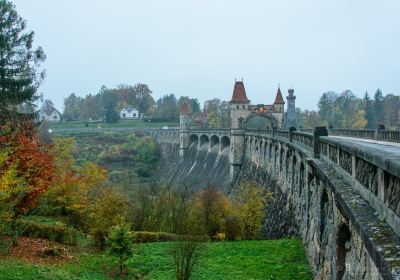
369	111
379	114
20	73
111	116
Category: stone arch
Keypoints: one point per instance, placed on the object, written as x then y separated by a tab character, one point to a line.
276	156
324	211
269	150
204	140
225	142
272	122
343	250
301	177
214	140
294	163
288	157
193	139
281	158
256	146
265	150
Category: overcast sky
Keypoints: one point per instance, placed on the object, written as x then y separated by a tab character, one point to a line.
198	48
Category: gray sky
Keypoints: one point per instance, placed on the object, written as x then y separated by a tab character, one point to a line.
198	48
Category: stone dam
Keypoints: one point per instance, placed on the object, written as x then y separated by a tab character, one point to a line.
340	195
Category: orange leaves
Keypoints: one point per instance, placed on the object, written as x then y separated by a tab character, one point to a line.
27	169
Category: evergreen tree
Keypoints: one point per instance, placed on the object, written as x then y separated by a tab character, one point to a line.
369	111
20	73
112	115
379	114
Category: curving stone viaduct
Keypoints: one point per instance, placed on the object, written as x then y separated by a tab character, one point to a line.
340	195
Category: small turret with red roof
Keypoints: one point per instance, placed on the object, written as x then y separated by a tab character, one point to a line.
185	109
185	118
279	103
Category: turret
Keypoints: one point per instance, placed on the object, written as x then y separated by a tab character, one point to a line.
279	103
291	115
239	105
239	113
185	119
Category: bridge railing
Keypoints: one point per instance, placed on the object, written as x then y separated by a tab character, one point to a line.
211	130
303	138
374	134
357	133
389	135
377	172
281	133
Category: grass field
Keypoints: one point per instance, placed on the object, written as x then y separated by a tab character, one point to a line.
270	259
119	124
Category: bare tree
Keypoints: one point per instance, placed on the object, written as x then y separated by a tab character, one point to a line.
186	255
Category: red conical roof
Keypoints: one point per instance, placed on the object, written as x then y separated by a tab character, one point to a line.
185	109
279	97
239	93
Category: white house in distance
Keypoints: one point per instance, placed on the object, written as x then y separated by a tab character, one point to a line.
50	114
129	113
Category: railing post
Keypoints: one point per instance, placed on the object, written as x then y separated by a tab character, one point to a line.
274	131
291	130
378	128
318	131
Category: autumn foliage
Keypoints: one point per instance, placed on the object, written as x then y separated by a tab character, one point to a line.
27	168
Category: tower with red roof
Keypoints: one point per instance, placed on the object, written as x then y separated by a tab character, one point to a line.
239	105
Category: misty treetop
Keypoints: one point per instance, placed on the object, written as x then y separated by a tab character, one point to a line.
345	110
20	71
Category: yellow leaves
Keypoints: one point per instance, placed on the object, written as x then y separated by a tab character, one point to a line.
73	184
10	183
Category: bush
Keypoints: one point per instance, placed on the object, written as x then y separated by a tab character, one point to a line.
233	227
110	209
148	237
120	242
220	236
58	232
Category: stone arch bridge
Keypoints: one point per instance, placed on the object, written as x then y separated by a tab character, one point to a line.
342	191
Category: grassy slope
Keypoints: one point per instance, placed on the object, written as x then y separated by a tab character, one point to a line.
119	124
271	259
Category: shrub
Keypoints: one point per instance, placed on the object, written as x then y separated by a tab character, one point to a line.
58	232
210	207
120	242
110	209
233	227
186	255
251	201
147	237
220	236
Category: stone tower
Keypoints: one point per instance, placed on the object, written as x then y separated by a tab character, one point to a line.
239	106
185	119
291	116
279	106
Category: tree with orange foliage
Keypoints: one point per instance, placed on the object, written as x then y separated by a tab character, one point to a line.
70	192
27	168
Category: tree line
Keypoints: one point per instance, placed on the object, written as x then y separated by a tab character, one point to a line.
345	110
109	101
